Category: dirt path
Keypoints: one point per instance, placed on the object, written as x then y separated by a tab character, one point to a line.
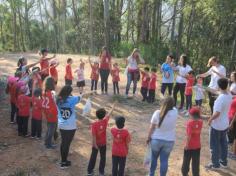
21	156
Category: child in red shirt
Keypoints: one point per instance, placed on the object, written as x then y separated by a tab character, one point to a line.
152	86
36	121
193	143
94	74
44	63
53	70
68	75
120	146
145	83
50	111
98	129
115	78
232	128
11	90
36	79
23	105
189	91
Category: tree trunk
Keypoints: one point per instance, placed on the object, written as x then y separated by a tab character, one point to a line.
107	23
55	24
232	63
27	26
190	26
128	21
172	38
63	29
14	25
91	26
180	30
21	30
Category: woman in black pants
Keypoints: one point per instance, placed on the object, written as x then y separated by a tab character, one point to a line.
67	121
183	68
105	67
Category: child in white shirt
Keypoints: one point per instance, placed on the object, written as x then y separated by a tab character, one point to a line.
80	75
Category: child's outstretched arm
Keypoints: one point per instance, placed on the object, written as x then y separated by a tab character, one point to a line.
87	94
112	109
32	65
49	58
90	63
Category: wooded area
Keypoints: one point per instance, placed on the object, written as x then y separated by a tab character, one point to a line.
199	28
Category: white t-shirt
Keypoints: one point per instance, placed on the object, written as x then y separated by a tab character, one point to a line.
233	88
222	105
182	72
167	130
132	63
199	92
214	77
80	74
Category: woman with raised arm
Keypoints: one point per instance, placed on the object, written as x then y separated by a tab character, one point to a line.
133	70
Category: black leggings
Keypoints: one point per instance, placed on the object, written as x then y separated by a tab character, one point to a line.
104	79
144	92
94	84
13	111
66	138
179	87
116	87
212	99
118	165
164	86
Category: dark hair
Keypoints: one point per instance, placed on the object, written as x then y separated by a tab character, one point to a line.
49	84
222	83
185	59
154	70
101	113
107	52
38	92
171	56
20	61
44	50
146	68
234	73
191	72
120	122
64	93
69	60
35	69
166	106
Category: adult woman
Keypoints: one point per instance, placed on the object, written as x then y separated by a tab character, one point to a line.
132	70
216	71
161	135
167	75
183	68
67	121
105	67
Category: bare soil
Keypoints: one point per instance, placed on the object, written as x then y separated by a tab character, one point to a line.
25	156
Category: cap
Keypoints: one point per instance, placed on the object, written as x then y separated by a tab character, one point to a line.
53	62
20	84
12	79
23	89
195	111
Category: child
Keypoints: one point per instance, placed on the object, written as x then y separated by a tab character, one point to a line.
23	105
36	79
53	70
50	110
68	75
80	74
232	128
98	129
233	83
152	86
193	143
115	78
189	91
94	74
44	63
36	121
219	123
199	92
11	90
145	82
120	147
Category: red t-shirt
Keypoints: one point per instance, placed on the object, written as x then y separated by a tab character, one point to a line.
44	64
12	92
145	80
121	138
95	72
99	131
49	107
54	73
23	104
115	74
37	108
68	72
232	109
105	62
152	83
193	130
189	85
37	82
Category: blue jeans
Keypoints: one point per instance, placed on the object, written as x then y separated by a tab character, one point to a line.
218	146
50	133
132	77
160	148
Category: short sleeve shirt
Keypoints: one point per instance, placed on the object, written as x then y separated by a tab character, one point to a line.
214	77
183	71
193	130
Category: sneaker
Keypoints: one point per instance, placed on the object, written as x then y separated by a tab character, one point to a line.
101	174
186	114
27	135
231	156
68	162
225	166
90	174
211	167
64	165
12	122
32	137
51	147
